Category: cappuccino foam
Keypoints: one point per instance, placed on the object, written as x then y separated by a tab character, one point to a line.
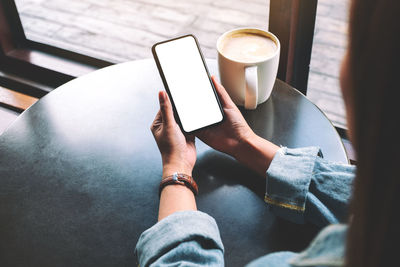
248	47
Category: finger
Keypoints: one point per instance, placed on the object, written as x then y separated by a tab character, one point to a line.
166	108
157	122
226	100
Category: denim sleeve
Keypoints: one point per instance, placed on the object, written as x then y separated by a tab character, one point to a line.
303	187
327	249
187	238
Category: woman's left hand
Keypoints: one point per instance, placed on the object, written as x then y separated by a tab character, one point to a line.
178	152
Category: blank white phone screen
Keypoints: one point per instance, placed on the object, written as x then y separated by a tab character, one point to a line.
188	83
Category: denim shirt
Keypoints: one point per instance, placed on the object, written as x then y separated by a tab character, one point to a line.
301	186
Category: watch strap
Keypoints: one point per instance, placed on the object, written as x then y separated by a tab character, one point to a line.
179	179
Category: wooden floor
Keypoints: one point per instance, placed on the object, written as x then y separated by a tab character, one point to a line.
122	30
330	41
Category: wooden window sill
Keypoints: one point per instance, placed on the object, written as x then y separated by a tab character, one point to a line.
15	101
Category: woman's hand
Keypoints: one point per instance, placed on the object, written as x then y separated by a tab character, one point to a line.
178	154
232	132
234	137
178	151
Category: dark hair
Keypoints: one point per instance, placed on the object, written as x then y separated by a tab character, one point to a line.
374	71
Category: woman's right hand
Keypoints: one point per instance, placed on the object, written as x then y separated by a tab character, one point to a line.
234	130
235	137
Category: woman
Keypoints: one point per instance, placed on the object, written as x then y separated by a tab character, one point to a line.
184	236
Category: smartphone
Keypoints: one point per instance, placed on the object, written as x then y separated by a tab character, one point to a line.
188	83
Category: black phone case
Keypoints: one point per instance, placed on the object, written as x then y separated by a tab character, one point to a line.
167	88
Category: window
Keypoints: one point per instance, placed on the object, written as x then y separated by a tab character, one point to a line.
53	41
122	30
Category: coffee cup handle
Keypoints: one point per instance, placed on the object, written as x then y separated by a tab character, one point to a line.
251	94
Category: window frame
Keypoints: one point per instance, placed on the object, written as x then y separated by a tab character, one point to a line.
35	68
293	21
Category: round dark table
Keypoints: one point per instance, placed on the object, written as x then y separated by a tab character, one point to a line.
79	173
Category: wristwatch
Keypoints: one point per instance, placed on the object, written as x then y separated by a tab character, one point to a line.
180	179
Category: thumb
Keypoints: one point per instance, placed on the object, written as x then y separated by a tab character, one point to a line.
166	108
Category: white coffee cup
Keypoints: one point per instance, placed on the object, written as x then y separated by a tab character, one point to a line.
248	80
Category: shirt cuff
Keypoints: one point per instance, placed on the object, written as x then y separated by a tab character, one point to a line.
288	181
175	229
